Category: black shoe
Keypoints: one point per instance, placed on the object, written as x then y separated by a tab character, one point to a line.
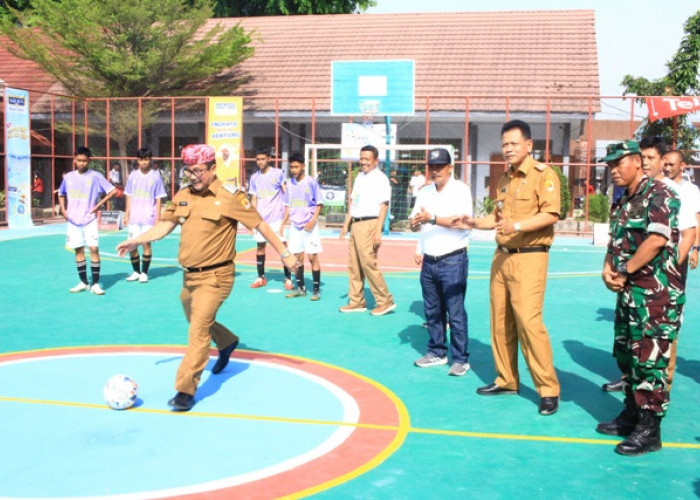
645	438
494	390
224	355
622	425
549	405
617	386
182	402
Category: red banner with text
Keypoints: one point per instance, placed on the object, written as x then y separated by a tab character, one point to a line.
666	107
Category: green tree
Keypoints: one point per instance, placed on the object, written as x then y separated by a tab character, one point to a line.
117	48
564	193
683	78
247	8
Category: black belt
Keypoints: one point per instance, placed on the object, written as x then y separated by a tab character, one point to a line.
206	268
436	258
535	249
360	219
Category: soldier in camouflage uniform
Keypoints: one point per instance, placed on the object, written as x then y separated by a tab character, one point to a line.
641	267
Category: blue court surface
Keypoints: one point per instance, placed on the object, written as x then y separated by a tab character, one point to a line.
313	403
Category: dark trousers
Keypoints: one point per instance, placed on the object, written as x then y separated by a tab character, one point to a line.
444	285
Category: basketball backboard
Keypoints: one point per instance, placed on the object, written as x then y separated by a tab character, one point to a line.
385	87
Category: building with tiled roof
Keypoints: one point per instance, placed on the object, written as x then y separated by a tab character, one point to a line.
473	70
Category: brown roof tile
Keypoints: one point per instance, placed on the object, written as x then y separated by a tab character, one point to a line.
523	53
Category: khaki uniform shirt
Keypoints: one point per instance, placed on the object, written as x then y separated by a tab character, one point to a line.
209	222
531	189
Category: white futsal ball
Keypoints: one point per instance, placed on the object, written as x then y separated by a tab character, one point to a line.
120	392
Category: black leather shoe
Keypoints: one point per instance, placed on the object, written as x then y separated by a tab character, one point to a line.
182	402
494	390
549	405
617	386
224	355
646	436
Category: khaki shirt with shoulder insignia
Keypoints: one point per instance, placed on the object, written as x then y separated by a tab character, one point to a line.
209	223
531	189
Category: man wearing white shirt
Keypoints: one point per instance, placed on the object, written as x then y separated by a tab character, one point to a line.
688	225
442	254
365	219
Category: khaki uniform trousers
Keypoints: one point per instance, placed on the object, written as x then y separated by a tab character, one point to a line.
517	295
202	294
362	263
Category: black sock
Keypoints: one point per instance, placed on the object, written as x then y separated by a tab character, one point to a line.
82	271
300	277
317	279
287	272
261	265
135	263
145	263
95	268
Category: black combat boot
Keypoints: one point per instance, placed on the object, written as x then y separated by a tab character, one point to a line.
624	423
645	438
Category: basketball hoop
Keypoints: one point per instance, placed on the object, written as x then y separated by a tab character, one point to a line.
369	109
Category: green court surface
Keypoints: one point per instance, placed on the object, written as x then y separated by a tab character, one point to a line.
458	444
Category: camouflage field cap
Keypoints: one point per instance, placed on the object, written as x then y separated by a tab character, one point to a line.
620	149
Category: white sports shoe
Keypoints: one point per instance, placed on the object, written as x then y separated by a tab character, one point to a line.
133	276
143	278
97	289
80	287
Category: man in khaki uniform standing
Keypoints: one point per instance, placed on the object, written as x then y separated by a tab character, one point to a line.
365	219
208	212
528	205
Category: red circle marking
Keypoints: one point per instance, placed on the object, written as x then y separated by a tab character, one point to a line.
351	458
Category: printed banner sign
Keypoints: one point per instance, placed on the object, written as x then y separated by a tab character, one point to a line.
224	134
666	107
18	158
355	135
333	196
109	220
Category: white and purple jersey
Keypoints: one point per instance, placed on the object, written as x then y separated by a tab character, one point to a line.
143	191
82	192
302	198
267	189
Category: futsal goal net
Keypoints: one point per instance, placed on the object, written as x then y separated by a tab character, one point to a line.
336	165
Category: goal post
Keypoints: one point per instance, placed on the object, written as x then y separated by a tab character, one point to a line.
335	167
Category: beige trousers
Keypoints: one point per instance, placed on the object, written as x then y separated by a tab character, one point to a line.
362	263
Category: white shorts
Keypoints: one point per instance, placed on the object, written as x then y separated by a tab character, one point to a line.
301	241
275	226
81	236
135	230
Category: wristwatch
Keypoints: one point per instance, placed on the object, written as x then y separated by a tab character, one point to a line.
694	247
285	254
517	227
622	269
433	220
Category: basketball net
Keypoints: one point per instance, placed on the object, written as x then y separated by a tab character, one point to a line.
369	109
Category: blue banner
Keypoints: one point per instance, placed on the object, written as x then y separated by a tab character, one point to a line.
18	158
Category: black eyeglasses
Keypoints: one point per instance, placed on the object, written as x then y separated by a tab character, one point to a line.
194	172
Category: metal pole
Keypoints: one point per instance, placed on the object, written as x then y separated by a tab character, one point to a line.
387	169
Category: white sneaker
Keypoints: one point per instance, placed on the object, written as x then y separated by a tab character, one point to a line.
80	287
97	289
458	369
133	276
143	278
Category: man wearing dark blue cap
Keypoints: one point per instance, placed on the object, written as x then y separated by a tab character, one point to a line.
442	254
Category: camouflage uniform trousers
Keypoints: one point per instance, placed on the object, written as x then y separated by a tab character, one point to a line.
644	336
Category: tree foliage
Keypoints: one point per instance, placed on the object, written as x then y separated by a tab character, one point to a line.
134	48
683	78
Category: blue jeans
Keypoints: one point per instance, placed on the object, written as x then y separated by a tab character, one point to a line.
444	285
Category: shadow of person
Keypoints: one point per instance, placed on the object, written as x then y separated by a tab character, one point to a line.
160	272
688	367
214	382
601	362
415	335
602	406
605	314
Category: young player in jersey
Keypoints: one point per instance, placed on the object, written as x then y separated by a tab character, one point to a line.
267	197
303	202
144	190
82	188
